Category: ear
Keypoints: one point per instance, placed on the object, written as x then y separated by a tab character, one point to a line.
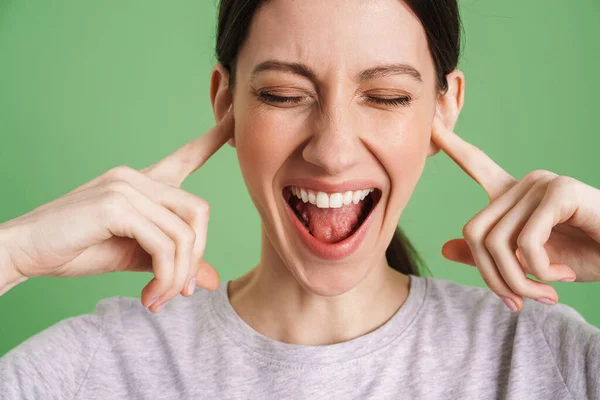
220	96
449	104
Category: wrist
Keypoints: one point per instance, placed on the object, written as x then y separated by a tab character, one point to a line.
9	274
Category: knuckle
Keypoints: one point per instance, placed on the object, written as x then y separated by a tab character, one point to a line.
186	236
526	241
567	190
473	231
120	172
539	174
201	211
549	178
203	207
115	209
197	222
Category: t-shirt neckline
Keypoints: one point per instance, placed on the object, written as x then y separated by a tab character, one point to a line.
272	350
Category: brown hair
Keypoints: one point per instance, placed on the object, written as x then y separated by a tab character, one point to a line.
441	22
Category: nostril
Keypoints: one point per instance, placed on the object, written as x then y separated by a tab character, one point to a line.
333	153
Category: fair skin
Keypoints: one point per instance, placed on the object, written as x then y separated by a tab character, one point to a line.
332	135
544	225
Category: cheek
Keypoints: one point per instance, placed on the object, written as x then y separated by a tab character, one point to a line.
405	145
403	152
261	149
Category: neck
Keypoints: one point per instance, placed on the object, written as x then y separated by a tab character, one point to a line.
273	303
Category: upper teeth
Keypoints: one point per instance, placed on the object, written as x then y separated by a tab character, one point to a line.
333	200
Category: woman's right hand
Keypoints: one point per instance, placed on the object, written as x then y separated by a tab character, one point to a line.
124	220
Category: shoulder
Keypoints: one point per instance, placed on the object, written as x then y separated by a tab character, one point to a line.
135	333
470	304
56	360
475	303
74	333
53	362
574	343
556	335
483	312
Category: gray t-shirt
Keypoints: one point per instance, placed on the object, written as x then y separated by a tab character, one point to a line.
448	341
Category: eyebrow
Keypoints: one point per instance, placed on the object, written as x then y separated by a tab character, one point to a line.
379	71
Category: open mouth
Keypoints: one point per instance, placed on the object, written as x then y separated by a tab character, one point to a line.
331	218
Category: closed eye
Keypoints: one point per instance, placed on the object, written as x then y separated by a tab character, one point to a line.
271	98
394	101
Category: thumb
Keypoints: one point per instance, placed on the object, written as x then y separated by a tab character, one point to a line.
458	250
207	276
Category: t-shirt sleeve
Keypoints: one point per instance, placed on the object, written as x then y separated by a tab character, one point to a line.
53	363
575	346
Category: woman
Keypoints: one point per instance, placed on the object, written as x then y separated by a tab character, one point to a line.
333	122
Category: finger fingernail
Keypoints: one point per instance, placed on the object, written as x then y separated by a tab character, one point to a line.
510	304
160	307
567	280
545	300
192	285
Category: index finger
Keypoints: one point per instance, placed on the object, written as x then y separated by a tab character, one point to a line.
478	165
174	168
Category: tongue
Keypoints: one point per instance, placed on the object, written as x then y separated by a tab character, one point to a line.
331	225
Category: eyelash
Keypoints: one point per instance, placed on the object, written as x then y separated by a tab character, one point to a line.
396	101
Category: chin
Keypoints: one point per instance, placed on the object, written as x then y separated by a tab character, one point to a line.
330	280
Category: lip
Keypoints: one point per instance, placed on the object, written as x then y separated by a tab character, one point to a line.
329	187
334	251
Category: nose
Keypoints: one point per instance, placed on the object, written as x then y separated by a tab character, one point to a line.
334	145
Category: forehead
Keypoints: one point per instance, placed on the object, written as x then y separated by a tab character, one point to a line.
336	35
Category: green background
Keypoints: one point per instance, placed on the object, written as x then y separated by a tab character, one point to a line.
89	85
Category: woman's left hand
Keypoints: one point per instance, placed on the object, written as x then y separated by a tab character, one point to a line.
545	225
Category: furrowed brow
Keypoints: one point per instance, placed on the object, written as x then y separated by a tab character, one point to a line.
389	69
295	68
307	72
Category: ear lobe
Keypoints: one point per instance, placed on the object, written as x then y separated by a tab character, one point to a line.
221	97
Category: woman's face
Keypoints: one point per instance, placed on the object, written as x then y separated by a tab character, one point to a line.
333	97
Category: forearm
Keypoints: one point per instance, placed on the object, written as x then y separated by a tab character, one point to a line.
9	275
